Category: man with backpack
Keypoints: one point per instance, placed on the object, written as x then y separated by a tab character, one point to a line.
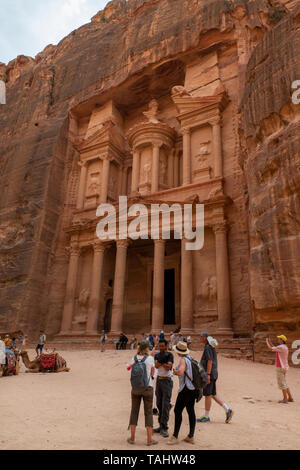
164	385
142	372
192	378
209	362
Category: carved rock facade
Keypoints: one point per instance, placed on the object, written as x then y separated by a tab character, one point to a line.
143	101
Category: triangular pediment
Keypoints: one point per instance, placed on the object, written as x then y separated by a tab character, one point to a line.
100	136
190	104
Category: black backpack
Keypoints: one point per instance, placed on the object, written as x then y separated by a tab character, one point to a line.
200	378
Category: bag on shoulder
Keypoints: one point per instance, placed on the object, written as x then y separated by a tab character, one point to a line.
139	379
200	378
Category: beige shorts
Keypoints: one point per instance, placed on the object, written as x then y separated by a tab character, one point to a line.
281	374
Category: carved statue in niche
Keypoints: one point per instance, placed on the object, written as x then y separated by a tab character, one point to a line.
94	186
147	172
201	157
83	301
152	113
208	290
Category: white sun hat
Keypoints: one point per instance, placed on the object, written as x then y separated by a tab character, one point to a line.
212	341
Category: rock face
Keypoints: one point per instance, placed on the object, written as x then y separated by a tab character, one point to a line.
130	53
270	141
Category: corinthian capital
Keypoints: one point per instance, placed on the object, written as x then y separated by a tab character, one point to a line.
74	249
220	227
186	131
122	243
99	247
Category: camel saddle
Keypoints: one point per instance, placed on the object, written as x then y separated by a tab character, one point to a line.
48	361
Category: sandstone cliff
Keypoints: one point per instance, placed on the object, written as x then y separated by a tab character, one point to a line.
36	153
270	160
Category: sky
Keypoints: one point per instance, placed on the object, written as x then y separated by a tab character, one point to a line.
28	26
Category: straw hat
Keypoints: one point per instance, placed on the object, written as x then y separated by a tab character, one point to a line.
181	348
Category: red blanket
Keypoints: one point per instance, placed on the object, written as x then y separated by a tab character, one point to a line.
48	361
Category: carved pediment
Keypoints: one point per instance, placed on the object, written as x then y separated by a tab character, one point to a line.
108	133
187	104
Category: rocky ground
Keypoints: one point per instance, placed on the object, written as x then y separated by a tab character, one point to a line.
88	408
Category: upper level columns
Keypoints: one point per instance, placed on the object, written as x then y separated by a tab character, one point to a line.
186	132
217	145
82	185
171	168
135	171
105	178
124	181
155	168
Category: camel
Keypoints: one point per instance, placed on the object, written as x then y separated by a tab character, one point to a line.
35	365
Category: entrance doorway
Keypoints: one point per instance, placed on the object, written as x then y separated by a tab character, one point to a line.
169	300
107	317
169	297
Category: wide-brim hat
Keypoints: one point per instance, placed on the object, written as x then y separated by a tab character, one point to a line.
181	348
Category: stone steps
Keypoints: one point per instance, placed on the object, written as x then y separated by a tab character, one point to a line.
238	348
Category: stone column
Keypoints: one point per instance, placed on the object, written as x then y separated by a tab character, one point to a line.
96	284
119	286
187	308
135	171
171	168
105	179
66	325
155	169
186	157
223	287
158	286
176	169
124	181
217	145
82	185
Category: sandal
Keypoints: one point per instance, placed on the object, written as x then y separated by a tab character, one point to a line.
130	441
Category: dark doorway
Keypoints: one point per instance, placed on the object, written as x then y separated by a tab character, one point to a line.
107	318
169	302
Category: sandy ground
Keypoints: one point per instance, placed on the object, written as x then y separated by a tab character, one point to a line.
88	408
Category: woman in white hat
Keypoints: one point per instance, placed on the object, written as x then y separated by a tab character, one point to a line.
187	394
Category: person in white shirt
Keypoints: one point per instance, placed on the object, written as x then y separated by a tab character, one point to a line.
41	343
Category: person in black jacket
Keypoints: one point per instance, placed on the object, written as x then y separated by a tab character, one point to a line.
209	362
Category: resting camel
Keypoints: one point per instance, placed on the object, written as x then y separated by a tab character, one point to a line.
35	365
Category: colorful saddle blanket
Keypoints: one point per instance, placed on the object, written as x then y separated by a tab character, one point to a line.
48	361
11	362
